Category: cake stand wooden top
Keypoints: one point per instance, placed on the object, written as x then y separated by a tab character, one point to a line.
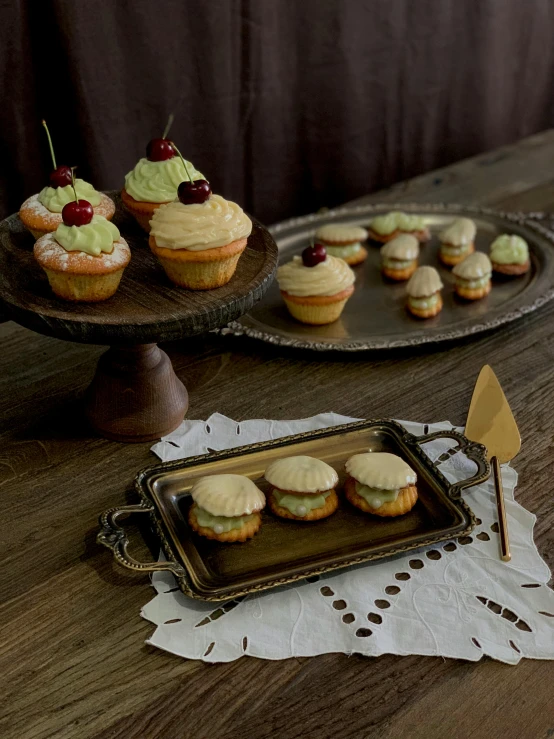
147	306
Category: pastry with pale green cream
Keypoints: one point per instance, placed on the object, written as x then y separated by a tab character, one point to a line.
343	241
226	508
83	263
473	276
509	255
424	292
457	241
380	483
152	183
388	226
399	257
42	212
302	488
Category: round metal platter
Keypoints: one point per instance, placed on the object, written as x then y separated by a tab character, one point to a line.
375	317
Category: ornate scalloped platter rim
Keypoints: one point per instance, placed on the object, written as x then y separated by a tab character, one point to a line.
211	571
391	326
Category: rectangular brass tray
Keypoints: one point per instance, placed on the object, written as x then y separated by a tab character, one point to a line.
287	551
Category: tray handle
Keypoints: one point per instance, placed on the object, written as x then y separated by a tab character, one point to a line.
113	536
472	450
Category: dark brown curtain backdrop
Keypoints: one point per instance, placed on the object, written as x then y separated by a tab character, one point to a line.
285	105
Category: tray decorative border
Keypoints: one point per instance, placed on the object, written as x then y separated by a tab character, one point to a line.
529	220
113	536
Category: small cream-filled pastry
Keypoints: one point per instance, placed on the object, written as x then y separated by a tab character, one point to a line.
510	255
226	507
302	488
399	257
343	241
473	276
424	293
388	226
380	483
315	286
457	241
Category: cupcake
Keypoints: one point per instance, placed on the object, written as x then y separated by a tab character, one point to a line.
226	508
315	286
343	242
198	239
380	483
457	241
85	257
388	226
473	276
399	257
42	212
424	293
302	488
510	255
155	179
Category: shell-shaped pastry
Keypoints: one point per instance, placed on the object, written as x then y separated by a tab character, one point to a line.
473	267
341	233
402	247
381	470
460	232
424	282
227	495
301	475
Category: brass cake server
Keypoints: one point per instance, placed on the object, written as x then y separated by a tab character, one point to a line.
490	422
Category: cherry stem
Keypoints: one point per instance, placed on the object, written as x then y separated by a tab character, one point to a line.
182	159
73	183
168	126
50	144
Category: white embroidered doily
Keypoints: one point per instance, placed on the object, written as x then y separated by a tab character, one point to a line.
455	600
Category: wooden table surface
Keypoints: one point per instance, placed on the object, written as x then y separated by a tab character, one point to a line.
73	660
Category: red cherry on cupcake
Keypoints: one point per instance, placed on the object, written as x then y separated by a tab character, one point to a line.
197	191
77	213
60	176
159	150
313	255
192	191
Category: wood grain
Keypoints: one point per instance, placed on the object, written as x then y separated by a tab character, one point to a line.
73	663
146	308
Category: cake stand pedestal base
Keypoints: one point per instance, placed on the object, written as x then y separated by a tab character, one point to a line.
135	394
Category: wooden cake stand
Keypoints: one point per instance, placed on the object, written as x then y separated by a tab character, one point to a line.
135	394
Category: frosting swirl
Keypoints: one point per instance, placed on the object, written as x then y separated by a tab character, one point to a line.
54	198
199	226
157	182
96	237
509	250
327	278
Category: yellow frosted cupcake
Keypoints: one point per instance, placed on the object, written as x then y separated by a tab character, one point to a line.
399	257
457	241
424	293
303	488
510	255
226	508
315	286
380	483
388	226
198	239
85	257
473	276
155	179
344	242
